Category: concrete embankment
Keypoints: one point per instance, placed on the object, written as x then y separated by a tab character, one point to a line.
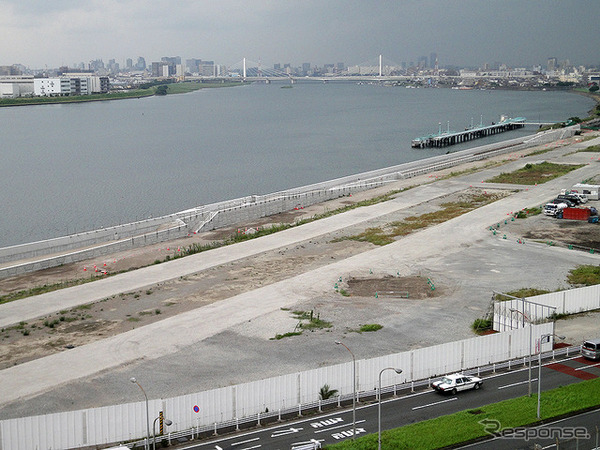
20	259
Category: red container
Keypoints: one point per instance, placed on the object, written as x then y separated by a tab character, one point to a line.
576	213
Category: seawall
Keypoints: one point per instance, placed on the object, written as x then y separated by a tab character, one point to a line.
20	259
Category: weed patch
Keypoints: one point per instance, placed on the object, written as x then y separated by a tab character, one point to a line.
584	276
535	173
370	327
450	210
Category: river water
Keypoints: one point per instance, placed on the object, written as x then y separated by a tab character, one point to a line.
69	168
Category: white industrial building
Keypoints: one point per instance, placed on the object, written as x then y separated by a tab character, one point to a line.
74	84
12	86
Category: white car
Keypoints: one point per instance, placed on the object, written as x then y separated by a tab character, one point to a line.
457	382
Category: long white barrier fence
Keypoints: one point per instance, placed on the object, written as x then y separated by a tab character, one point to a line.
282	394
510	313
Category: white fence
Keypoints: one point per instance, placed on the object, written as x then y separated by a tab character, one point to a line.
541	307
286	393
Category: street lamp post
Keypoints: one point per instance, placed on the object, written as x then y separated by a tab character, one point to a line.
543	337
530	354
147	446
167	422
398	371
353	390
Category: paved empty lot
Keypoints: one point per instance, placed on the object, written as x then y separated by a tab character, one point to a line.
229	341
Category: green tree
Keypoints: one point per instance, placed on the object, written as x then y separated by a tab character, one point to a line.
162	89
594	88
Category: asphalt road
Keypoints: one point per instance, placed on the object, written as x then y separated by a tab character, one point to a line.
409	408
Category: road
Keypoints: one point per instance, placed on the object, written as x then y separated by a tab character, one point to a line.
410	408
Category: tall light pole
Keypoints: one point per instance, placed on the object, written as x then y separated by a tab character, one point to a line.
353	390
147	446
379	405
530	355
167	422
543	337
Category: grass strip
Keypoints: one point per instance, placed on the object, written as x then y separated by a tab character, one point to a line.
584	275
380	236
532	174
465	425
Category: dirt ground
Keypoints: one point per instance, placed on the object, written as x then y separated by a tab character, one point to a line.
111	316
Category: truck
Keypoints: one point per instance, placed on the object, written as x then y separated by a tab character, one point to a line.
553	209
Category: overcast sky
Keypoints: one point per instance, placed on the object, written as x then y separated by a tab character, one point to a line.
39	33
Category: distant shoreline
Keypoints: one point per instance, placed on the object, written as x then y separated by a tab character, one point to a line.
174	88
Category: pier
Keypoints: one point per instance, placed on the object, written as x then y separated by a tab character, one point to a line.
443	139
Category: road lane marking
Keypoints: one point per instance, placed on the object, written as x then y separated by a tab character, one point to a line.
436	403
244	442
516	384
284	432
339	426
587	367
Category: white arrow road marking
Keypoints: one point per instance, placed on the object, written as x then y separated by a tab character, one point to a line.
339	426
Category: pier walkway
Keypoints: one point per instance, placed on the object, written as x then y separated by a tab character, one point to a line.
443	139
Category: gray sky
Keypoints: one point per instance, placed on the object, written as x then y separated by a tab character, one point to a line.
462	32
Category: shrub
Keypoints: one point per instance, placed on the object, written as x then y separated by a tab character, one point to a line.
326	392
481	325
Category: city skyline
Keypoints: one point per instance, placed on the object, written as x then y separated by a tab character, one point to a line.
465	33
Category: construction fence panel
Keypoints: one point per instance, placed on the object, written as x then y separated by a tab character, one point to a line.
120	423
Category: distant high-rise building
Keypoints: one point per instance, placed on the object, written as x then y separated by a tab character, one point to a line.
552	64
305	68
277	66
9	70
422	64
161	69
129	63
193	65
171	59
141	63
432	60
97	65
207	69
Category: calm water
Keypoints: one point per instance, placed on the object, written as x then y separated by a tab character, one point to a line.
68	168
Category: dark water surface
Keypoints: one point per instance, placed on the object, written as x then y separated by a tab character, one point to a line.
67	168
